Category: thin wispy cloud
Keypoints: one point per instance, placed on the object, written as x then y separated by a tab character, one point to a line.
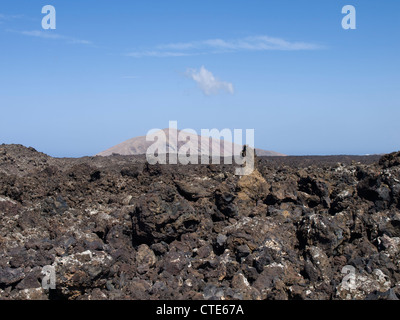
208	83
53	36
79	41
158	54
40	34
217	46
7	17
10	17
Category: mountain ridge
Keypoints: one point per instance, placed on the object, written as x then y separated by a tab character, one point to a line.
139	145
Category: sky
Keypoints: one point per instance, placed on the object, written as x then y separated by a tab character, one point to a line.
113	70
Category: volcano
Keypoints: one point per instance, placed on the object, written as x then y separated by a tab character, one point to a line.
139	145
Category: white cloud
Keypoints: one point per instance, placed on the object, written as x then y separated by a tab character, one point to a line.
215	46
10	17
78	41
208	83
51	35
257	43
41	34
158	54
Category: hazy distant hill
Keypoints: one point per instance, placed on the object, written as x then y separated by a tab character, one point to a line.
139	145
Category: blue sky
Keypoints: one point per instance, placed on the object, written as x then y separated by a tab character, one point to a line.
113	70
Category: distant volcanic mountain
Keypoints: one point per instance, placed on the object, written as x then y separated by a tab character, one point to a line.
139	145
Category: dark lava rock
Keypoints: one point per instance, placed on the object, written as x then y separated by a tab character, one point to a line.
118	228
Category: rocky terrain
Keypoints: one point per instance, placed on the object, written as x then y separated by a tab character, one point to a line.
118	228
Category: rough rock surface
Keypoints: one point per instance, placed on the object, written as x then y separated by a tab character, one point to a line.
118	228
